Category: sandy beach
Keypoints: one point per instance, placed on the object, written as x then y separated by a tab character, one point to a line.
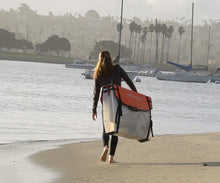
169	158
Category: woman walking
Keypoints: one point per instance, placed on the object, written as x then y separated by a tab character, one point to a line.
106	73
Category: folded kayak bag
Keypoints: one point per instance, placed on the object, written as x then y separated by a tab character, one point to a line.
126	113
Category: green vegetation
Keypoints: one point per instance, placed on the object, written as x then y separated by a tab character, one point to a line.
112	47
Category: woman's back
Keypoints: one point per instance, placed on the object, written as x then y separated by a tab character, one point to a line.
116	77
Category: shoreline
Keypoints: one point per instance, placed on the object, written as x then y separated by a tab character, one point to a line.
34	58
82	140
166	158
55	141
15	165
69	60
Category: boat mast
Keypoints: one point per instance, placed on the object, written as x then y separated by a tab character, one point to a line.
191	53
119	42
208	46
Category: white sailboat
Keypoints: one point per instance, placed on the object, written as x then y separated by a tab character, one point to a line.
216	76
188	75
184	76
150	72
80	64
88	73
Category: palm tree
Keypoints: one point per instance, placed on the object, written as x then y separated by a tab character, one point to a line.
157	31
118	27
208	51
136	32
28	30
181	30
169	35
164	33
41	33
143	41
139	40
151	30
131	28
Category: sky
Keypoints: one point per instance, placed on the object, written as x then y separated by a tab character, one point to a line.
160	9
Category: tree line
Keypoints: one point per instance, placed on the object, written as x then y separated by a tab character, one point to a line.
138	34
54	43
9	41
147	40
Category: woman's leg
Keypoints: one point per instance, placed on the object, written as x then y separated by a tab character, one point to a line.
114	142
105	139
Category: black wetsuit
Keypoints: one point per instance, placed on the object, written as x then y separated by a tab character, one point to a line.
116	77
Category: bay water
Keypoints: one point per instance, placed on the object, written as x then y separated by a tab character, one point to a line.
44	102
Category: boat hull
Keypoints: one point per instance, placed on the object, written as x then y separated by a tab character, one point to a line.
80	66
215	78
148	72
184	77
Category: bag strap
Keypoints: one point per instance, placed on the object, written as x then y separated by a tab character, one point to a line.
119	109
151	127
149	102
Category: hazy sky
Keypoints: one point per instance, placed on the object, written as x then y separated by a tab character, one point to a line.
161	9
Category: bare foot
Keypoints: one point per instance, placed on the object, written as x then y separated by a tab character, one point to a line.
104	154
111	160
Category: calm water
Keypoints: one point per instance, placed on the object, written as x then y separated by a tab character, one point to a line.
50	102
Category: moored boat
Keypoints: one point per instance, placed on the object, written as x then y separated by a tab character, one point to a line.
80	64
88	73
151	72
184	76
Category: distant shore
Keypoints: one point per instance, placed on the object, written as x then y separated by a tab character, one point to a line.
61	60
35	58
69	60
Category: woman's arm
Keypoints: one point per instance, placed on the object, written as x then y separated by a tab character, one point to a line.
126	78
96	93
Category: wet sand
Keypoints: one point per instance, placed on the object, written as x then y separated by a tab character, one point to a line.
17	167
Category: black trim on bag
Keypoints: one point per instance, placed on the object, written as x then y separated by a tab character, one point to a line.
110	87
150	129
119	109
149	102
118	115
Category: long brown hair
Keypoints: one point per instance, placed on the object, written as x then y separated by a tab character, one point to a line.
104	66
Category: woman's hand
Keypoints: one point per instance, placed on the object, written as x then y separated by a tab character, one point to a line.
94	116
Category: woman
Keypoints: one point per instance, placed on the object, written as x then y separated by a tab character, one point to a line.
104	74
